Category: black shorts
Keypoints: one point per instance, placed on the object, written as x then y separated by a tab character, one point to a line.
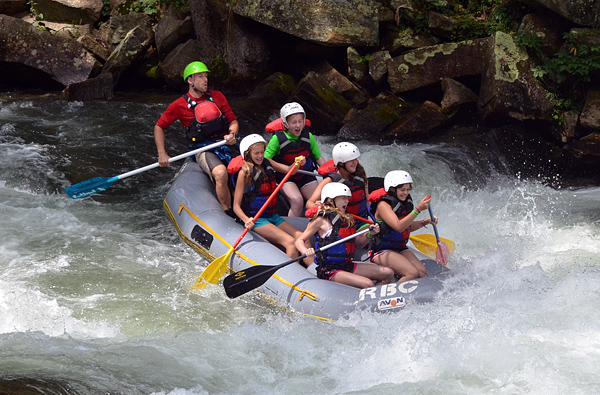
327	272
301	180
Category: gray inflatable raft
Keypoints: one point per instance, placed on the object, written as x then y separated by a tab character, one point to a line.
192	206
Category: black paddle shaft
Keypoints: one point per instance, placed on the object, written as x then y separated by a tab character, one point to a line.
246	280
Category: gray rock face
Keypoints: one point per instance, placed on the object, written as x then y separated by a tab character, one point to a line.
66	61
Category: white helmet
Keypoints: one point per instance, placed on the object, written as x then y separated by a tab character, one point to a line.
344	152
290	109
249	140
333	190
395	178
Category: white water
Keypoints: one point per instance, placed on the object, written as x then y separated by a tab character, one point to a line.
95	293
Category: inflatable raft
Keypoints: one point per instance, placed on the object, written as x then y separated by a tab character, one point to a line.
192	206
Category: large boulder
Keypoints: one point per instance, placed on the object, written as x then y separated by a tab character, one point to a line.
173	30
419	124
508	87
232	46
79	12
590	116
65	60
98	88
580	12
10	7
332	22
425	66
130	49
455	95
371	122
324	105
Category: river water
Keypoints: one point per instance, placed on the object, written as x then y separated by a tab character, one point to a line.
95	293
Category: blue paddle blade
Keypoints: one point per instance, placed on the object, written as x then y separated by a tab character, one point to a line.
89	187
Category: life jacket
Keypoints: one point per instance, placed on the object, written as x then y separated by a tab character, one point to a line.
388	238
277	124
209	124
340	254
257	194
289	151
357	204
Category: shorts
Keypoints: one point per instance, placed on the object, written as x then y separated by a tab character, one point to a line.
274	219
376	254
301	181
208	161
327	272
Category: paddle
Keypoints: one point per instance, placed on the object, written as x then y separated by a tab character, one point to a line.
246	280
213	272
442	253
100	184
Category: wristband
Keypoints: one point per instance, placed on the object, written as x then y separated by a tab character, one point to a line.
415	212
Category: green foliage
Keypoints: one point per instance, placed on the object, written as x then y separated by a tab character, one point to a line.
469	19
364	59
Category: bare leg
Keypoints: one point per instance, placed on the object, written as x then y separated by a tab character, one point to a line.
220	175
416	262
364	275
294	198
279	236
401	265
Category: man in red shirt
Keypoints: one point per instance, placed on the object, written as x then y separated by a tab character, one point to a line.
208	118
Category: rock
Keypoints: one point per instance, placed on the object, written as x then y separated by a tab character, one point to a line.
455	95
331	77
274	89
371	121
406	39
548	27
98	88
233	46
94	44
358	68
378	66
171	68
114	31
585	153
508	87
65	60
568	129
132	48
79	12
425	66
350	22
172	31
590	116
419	124
324	105
11	7
580	12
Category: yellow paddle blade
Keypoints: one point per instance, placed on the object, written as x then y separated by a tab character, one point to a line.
427	244
213	272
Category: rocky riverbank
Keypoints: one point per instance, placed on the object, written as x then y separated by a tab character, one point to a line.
387	70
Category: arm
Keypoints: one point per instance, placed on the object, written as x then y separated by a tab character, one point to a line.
233	131
315	151
273	148
281	168
386	214
159	139
304	239
237	199
363	240
316	196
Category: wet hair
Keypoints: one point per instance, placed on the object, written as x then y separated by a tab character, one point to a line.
327	206
248	165
360	170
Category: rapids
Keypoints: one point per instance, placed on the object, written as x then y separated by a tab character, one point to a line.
95	293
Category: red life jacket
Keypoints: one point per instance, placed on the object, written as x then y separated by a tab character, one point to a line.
277	124
209	124
357	204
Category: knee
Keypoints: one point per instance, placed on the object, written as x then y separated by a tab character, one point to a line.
220	174
296	201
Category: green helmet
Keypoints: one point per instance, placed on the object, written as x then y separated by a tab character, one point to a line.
193	68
